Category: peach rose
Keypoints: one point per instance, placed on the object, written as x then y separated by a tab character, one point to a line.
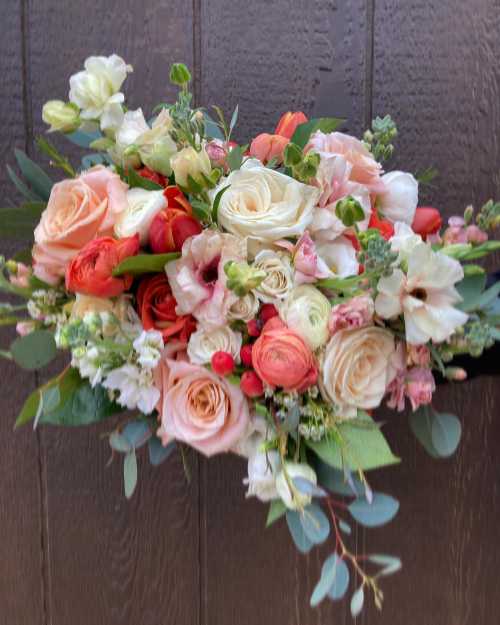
78	211
281	358
358	366
198	407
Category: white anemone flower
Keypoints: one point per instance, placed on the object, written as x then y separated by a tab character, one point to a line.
425	296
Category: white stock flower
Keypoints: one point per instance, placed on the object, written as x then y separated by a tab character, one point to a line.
399	200
357	368
264	204
262	469
425	296
244	308
87	361
98	85
148	347
306	311
135	387
204	343
279	279
140	211
290	472
339	256
190	162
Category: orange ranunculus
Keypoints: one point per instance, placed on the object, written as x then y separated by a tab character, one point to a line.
281	358
174	224
91	271
427	221
266	147
288	123
156	308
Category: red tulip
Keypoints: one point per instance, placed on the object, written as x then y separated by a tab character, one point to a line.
427	221
288	123
174	224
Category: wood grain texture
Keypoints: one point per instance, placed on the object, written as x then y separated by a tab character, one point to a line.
21	560
270	58
111	561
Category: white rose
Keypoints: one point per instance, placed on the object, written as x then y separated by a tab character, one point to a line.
279	279
98	85
264	204
357	368
204	343
142	207
262	469
293	470
306	311
244	308
190	162
399	200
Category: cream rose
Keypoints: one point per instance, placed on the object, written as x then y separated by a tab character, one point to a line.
306	311
98	85
357	368
204	343
78	211
244	308
142	206
264	204
279	279
190	162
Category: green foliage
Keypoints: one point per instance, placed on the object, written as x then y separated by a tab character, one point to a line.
438	433
304	131
382	509
83	138
333	582
179	74
426	176
216	202
277	509
144	263
315	524
357	601
234	159
130	473
379	139
39	183
349	211
157	452
356	445
56	158
35	350
302	542
389	564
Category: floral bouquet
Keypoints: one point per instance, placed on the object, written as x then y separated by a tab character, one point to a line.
261	299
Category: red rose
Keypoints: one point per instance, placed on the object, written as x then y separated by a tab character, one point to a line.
427	221
91	271
385	227
156	308
288	123
174	224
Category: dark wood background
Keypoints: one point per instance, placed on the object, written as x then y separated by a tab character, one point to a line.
72	549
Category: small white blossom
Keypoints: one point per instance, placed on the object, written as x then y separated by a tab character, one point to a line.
135	387
148	346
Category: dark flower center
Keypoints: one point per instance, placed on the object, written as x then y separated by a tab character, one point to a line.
210	273
419	294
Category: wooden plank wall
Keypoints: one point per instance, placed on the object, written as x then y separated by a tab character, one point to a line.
74	551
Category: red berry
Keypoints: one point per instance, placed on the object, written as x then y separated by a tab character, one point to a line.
246	355
253	327
222	363
268	311
251	384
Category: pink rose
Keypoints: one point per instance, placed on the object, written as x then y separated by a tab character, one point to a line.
78	211
198	280
355	313
281	358
364	169
198	407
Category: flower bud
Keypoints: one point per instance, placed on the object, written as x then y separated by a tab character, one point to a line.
242	278
288	123
179	74
292	155
457	374
292	497
61	116
190	163
468	214
349	211
251	384
222	363
427	221
246	355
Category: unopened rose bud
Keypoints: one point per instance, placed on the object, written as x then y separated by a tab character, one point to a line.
456	374
242	278
61	116
349	211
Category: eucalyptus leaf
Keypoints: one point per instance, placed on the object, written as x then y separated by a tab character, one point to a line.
336	480
302	542
137	433
21	186
421	426
119	443
83	138
345	527
334	579
315	524
277	509
488	296
304	131
157	452
234	159
446	432
91	160
389	564
470	289
357	601
212	130
34	174
380	511
308	488
35	350
130	473
234	119
144	263
341	581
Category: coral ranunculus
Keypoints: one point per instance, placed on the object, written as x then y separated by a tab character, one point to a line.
288	123
427	221
156	308
174	224
91	271
281	358
267	147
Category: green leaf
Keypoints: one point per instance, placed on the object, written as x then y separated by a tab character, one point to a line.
300	539
130	473
315	524
234	119
29	409
304	131
357	602
234	159
193	185
83	138
421	426
217	199
380	511
212	130
137	433
359	447
21	186
277	509
119	443
334	580
340	284
157	452
341	582
445	433
488	296
135	180
144	263
390	564
470	289
36	177
479	251
201	210
35	350
91	160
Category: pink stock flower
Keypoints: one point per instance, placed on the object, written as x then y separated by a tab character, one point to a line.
198	280
25	327
21	277
309	267
355	313
420	386
458	232
418	355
